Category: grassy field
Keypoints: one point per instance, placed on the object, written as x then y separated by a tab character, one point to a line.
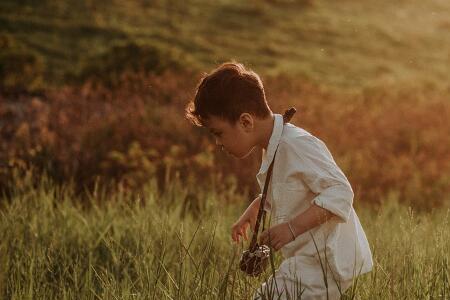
369	78
173	245
348	44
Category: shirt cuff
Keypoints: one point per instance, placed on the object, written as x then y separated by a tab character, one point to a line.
340	204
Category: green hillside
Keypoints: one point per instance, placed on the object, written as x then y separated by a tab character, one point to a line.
339	43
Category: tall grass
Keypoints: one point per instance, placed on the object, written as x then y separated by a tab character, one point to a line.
175	244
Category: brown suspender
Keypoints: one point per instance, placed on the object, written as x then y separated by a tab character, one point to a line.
261	213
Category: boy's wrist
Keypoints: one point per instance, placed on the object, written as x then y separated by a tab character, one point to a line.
297	227
252	210
292	230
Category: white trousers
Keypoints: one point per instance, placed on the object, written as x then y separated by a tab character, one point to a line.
302	280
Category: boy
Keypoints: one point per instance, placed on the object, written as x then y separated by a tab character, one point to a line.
310	200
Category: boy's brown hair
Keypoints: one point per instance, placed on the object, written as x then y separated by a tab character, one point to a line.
227	92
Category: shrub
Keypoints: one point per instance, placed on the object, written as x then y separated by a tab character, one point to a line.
108	67
20	69
387	140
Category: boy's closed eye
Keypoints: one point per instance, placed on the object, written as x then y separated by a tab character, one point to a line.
216	133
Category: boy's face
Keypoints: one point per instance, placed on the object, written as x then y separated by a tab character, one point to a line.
237	139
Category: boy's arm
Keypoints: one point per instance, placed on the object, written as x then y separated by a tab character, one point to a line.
281	234
312	217
313	163
252	210
247	218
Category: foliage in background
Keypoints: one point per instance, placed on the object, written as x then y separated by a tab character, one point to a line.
21	69
109	67
95	91
350	44
176	245
387	140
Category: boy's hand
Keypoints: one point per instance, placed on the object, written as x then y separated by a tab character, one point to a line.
247	219
276	236
239	229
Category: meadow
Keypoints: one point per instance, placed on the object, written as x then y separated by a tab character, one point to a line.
176	244
344	44
107	192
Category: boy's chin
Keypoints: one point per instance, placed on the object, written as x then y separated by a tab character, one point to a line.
244	155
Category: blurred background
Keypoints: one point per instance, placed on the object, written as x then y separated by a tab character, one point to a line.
92	93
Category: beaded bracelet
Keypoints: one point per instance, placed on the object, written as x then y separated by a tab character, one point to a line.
291	229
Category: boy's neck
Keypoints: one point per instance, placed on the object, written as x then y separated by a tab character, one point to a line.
265	128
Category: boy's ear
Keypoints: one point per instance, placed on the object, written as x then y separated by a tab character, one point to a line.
246	121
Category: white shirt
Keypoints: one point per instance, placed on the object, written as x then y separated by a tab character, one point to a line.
305	172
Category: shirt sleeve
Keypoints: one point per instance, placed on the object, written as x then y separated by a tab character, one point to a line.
313	163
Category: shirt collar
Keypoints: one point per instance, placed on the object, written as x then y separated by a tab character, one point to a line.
274	140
